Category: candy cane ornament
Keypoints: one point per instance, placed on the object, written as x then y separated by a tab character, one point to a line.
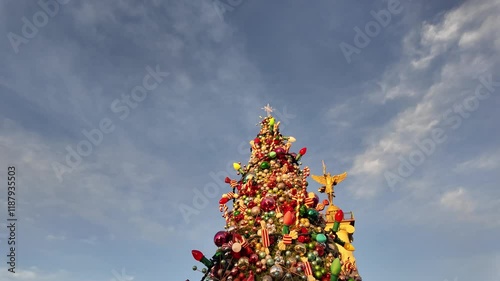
266	241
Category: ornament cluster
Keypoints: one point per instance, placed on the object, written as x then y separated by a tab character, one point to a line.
274	230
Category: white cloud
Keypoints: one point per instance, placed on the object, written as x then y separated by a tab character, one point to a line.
52	237
458	200
457	72
457	27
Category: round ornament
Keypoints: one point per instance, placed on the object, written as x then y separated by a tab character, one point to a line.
268	204
221	237
276	271
265	165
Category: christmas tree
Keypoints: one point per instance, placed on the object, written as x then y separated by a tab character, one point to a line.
275	229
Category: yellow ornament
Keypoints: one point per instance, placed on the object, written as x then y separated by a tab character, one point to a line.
236	166
349	247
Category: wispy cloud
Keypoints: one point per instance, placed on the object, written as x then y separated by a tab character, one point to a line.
489	161
451	82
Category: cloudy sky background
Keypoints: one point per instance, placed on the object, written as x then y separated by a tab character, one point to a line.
116	215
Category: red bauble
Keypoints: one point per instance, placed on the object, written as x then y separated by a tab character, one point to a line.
268	204
234	271
280	151
254	258
320	249
303	151
221	237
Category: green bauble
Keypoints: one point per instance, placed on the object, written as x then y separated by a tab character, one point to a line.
312	214
265	165
303	211
272	154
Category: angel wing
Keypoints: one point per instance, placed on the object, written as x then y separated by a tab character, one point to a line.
319	179
339	178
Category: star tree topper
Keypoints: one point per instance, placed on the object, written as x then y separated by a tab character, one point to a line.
268	109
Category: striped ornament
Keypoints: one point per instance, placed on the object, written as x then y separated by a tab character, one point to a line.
233	183
266	242
287	239
309	202
230	195
308	268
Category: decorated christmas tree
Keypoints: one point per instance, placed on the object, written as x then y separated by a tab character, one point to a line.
274	228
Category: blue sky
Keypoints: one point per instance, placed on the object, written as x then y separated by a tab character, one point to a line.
411	114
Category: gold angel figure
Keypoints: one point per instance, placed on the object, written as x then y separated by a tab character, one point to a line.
329	182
